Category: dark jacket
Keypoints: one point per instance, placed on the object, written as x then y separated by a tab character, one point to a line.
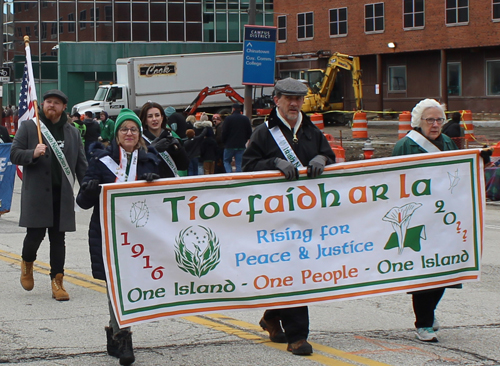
452	129
208	151
263	149
147	163
179	155
4	135
193	146
92	133
36	191
236	131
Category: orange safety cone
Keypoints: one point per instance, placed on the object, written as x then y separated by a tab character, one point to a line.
404	124
317	119
469	126
359	126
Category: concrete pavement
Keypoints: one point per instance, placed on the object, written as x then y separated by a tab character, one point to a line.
37	330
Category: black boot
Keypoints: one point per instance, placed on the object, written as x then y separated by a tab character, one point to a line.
112	344
125	348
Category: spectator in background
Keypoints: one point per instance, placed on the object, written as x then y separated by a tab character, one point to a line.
219	162
107	126
78	123
176	121
92	132
453	130
190	121
193	150
208	152
4	135
236	131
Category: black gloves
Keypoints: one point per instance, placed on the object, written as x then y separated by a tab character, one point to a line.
149	177
91	188
287	168
166	143
316	166
486	154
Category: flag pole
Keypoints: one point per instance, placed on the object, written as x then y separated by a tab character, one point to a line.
35	102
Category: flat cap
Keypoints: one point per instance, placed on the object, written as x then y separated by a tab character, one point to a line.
290	86
56	93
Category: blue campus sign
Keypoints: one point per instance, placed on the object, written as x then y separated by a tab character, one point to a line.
259	53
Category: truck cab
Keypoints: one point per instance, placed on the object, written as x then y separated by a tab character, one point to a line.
109	98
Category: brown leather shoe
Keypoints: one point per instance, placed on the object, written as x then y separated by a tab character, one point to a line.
58	291
273	326
301	347
27	280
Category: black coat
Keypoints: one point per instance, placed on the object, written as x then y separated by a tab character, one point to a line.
179	155
147	163
236	131
208	151
263	149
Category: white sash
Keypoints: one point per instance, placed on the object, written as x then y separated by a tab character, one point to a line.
166	158
120	171
58	153
284	146
422	142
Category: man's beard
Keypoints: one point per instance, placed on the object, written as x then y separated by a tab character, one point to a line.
51	114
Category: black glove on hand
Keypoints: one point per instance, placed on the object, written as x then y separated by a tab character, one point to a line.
287	168
149	177
91	188
316	166
164	144
486	154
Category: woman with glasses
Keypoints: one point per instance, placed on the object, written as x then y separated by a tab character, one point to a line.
125	159
427	118
173	157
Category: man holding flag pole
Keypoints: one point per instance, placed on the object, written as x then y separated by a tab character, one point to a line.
51	153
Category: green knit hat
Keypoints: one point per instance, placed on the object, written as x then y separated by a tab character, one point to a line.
127	115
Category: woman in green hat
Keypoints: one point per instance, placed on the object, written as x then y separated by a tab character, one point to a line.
126	159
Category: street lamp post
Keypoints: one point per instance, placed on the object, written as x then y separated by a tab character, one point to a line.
248	88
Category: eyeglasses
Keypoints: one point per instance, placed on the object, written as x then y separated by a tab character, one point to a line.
431	121
133	130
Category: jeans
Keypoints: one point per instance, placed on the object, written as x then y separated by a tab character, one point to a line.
228	157
193	167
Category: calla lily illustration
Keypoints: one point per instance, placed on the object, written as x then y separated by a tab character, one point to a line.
454	179
400	218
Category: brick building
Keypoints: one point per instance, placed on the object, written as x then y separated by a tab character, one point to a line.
410	49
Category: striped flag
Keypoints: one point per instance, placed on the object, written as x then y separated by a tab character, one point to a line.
27	96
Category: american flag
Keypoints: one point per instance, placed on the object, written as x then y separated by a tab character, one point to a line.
27	95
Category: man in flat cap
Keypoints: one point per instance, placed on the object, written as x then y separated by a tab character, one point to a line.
47	200
286	142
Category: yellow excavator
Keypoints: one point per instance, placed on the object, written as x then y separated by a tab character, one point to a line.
325	95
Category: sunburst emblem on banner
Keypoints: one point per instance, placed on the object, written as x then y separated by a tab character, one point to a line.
197	251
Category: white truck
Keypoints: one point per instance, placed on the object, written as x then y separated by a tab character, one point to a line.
172	80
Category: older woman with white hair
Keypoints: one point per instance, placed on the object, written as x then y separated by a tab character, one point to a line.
427	118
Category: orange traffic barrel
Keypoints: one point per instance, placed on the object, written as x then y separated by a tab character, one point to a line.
317	119
339	153
468	125
359	126
12	126
495	157
404	124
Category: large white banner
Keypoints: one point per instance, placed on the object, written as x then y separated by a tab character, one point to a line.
254	240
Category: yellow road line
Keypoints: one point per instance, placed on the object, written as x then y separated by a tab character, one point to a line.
213	321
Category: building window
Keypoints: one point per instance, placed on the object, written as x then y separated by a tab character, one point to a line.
71	24
44	31
496	9
397	78
61	25
493	77
108	13
83	18
305	26
374	17
28	31
281	20
413	13
338	22
53	30
19	32
457	11
454	78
